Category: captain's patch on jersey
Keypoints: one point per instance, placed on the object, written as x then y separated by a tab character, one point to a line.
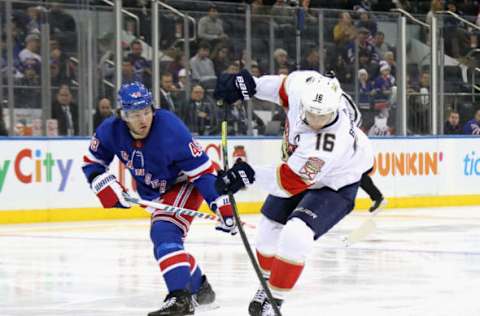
195	148
312	167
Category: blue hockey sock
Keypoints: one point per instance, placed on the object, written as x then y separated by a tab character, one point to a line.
196	275
172	258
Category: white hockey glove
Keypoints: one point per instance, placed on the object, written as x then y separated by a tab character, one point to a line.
109	191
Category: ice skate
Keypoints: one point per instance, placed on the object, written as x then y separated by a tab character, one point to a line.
205	294
256	304
177	303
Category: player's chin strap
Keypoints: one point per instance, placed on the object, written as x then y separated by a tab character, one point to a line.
176	210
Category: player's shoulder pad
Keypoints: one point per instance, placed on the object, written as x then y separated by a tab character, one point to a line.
108	126
168	123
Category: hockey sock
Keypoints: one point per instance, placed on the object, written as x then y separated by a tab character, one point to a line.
175	268
172	259
265	263
266	243
296	241
196	274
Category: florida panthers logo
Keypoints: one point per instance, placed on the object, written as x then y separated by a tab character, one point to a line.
312	167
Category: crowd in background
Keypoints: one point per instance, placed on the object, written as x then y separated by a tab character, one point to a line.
218	50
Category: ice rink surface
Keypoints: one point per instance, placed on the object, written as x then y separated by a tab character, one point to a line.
418	262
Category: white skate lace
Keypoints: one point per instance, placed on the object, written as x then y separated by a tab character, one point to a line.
260	296
267	309
168	303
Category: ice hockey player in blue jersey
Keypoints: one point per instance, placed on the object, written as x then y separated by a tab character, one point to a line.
172	168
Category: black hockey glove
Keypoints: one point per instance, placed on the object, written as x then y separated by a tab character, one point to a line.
235	178
233	87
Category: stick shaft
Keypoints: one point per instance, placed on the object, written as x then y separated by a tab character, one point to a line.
178	210
243	236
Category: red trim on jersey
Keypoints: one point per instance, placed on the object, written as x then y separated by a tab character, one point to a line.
210	169
265	262
283	94
290	181
87	160
173	260
284	274
193	263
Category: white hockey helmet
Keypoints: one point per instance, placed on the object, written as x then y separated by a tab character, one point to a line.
321	95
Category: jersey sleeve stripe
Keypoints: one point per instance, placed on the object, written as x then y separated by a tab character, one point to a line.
283	94
89	159
196	173
289	181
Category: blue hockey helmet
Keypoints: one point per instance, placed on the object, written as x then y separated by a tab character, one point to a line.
134	96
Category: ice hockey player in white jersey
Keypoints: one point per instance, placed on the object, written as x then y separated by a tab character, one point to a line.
326	155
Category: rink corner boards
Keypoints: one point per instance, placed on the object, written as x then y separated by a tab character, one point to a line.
93	214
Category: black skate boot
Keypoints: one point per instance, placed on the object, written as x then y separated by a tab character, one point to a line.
267	308
177	303
377	205
256	304
205	294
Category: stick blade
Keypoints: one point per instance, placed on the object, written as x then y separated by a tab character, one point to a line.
361	232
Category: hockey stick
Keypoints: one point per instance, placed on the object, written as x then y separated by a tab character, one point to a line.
243	236
362	231
177	210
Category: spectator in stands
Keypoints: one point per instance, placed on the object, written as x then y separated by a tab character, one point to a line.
455	34
283	70
65	111
32	48
452	124
202	67
312	60
362	6
366	90
365	62
182	79
233	68
62	27
281	13
379	44
3	128
59	68
435	6
210	27
343	70
310	16
389	58
178	63
128	73
141	66
34	22
383	86
103	111
258	8
344	31
367	22
199	113
472	127
280	59
237	119
220	58
363	45
167	92
255	71
27	92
